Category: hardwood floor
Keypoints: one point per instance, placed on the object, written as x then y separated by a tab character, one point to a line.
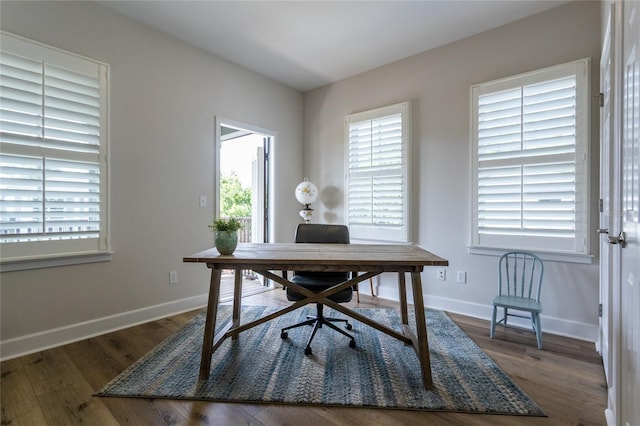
55	387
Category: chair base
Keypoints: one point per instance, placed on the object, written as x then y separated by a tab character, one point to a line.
317	321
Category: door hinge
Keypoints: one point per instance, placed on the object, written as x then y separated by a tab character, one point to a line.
601	205
600	310
601	99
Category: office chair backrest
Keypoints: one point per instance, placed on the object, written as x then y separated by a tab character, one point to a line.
319	233
520	275
316	233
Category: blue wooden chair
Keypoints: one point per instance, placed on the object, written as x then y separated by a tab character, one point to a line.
520	281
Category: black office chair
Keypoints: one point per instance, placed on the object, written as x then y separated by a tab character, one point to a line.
320	281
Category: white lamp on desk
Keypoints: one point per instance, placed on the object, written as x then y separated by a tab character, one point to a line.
306	193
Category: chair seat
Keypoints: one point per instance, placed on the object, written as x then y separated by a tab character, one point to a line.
518	303
317	282
312	284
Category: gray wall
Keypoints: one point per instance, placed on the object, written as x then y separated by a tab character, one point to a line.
165	96
437	83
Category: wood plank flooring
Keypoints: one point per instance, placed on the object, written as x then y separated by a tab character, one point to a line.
251	284
54	387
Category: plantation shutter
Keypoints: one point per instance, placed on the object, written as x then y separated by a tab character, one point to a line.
530	161
377	174
53	161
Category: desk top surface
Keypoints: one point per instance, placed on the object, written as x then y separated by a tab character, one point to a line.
329	256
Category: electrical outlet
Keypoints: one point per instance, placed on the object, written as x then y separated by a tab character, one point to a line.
442	274
461	277
203	201
173	277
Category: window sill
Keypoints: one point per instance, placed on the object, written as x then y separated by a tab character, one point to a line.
586	259
26	264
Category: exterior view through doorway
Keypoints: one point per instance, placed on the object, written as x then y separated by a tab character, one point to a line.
242	189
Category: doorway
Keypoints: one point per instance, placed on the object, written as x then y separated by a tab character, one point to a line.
242	189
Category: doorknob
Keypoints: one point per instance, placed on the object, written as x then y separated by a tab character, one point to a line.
602	230
620	239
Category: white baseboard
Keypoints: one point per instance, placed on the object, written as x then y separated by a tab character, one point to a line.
612	404
610	418
552	325
24	345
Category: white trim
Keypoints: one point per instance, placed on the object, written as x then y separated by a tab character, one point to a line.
550	256
551	325
51	262
24	345
24	255
227	122
17	41
609	415
364	232
581	242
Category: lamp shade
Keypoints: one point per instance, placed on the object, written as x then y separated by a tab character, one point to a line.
306	192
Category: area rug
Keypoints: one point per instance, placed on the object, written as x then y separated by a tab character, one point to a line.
380	371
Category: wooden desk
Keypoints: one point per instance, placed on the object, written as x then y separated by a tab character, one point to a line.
371	259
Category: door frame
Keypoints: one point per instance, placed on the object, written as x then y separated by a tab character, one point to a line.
269	137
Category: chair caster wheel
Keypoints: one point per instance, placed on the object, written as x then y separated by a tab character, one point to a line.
352	344
348	326
284	335
307	350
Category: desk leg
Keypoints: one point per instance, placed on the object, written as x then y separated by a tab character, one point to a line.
402	289
237	297
210	324
421	328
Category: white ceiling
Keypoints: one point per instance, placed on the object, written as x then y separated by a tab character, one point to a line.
307	44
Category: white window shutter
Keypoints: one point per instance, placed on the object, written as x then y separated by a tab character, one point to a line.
377	174
53	169
530	139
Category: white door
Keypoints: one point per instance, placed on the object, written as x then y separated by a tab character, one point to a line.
630	197
606	139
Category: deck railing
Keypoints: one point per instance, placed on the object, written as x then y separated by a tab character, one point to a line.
244	234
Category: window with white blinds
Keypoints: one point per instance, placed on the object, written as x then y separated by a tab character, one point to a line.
53	160
377	184
530	161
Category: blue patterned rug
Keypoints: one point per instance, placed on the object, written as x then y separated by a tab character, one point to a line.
381	371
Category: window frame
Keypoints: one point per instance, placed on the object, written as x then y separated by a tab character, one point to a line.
580	252
49	253
364	233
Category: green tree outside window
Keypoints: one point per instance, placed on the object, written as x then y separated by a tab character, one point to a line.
235	201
